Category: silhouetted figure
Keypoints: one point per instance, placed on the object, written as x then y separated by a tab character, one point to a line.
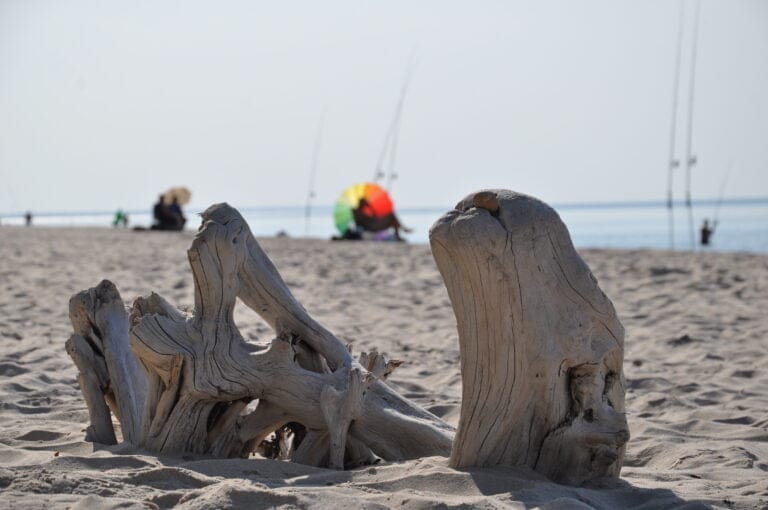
178	214
367	221
28	218
706	232
165	216
161	215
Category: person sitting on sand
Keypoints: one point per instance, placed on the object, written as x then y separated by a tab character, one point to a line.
175	208
706	232
367	221
166	218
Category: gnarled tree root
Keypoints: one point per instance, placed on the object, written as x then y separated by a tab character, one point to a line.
181	384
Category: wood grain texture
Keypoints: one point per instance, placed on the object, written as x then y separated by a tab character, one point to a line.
198	374
104	360
541	345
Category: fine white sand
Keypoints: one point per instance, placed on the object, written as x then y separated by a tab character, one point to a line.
696	367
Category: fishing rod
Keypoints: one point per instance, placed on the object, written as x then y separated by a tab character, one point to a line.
723	183
312	173
398	118
385	165
14	209
674	163
691	158
378	171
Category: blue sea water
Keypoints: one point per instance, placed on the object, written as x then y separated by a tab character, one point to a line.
742	224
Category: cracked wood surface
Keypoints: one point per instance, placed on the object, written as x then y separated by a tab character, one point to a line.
198	374
541	346
109	374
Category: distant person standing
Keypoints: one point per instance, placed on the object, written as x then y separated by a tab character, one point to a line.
28	218
160	213
706	232
121	219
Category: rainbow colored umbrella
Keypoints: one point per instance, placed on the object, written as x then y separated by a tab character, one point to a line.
379	204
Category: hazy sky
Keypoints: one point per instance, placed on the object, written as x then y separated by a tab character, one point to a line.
105	103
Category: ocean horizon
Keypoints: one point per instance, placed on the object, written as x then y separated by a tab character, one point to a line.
742	223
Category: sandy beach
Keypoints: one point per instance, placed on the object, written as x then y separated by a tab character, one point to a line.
696	365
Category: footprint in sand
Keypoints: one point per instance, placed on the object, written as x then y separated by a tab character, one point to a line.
103	463
705	402
41	435
741	420
683	340
167	478
17	388
24	409
11	369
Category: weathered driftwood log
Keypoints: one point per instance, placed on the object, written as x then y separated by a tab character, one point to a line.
541	346
187	383
109	375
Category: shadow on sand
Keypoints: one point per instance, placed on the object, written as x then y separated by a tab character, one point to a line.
534	490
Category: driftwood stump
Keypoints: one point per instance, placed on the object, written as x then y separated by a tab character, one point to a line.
180	384
541	346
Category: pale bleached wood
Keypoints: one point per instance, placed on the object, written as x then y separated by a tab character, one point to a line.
256	426
223	430
217	365
340	408
99	318
314	449
378	364
541	345
94	383
199	373
157	399
263	290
